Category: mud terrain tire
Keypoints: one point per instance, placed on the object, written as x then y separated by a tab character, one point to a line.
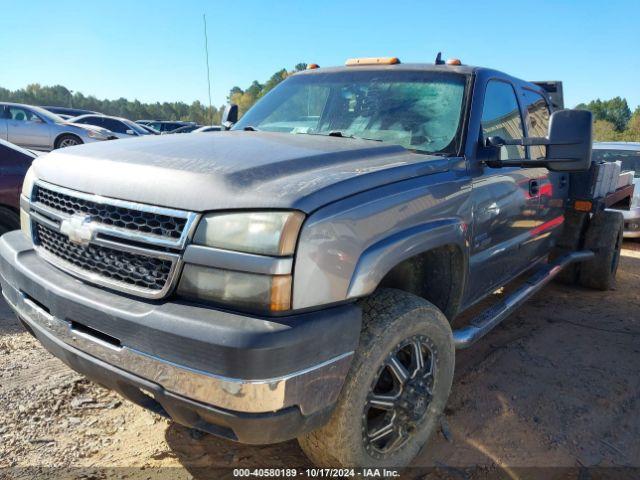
391	318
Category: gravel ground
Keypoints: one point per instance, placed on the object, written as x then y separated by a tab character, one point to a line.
556	385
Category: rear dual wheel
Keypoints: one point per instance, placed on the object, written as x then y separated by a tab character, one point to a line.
396	390
604	238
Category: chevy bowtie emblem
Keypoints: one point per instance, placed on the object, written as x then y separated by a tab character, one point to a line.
79	229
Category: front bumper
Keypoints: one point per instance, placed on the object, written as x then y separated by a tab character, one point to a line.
252	379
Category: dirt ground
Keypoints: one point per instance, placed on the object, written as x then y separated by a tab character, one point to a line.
556	385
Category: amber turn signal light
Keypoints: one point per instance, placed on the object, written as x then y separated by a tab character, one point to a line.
353	62
582	205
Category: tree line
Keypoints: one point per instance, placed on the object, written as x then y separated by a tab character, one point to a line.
613	119
60	96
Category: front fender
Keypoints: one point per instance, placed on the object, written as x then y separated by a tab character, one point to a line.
345	248
380	258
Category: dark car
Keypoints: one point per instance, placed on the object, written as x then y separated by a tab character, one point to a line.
72	112
185	129
149	129
14	163
164	126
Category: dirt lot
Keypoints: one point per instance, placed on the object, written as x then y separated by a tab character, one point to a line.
556	385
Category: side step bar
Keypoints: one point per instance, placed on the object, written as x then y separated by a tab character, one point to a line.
487	320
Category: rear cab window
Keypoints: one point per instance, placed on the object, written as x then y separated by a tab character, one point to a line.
537	120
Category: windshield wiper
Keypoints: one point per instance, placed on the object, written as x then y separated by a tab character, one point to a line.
250	128
338	133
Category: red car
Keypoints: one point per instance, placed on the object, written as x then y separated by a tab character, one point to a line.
14	163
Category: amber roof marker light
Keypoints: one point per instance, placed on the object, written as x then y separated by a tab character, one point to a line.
354	62
454	61
312	66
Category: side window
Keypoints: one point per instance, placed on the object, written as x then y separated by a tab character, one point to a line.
537	120
22	115
114	125
501	117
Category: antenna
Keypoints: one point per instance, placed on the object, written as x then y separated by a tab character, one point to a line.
206	51
439	60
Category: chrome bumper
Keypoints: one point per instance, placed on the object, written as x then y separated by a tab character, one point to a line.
311	389
631	222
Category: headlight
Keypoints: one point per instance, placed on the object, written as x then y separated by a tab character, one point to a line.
27	189
271	234
264	233
238	289
97	135
27	183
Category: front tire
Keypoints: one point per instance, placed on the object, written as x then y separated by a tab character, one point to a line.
67	140
396	390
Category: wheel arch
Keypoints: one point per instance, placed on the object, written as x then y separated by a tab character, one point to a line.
408	259
63	134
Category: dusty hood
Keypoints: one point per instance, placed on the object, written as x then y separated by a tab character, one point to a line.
229	170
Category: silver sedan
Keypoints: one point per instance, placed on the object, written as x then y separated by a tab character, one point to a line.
38	129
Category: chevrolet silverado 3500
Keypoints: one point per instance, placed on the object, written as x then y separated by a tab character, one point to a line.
296	276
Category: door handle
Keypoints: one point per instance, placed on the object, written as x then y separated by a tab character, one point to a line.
534	188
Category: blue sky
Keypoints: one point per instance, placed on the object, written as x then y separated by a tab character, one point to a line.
153	50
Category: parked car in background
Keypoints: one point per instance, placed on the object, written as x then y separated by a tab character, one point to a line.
121	127
145	122
185	129
14	163
71	112
149	129
164	126
629	154
34	127
208	128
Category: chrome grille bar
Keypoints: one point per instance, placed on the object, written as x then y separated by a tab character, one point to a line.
112	247
115	231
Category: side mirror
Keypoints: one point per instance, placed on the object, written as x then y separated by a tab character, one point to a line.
230	116
570	140
569	143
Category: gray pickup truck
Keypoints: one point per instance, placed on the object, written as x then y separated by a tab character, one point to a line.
297	276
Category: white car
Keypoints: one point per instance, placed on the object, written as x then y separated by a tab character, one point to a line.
629	154
120	127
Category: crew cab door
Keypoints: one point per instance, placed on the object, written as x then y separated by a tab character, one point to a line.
27	129
552	187
505	201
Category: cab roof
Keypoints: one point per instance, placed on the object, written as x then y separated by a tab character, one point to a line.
426	67
468	70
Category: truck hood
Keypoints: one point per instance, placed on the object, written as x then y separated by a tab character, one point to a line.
233	170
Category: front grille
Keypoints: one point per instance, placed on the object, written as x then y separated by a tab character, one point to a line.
133	270
127	218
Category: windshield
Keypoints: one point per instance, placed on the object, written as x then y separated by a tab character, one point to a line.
630	159
52	117
419	110
135	127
